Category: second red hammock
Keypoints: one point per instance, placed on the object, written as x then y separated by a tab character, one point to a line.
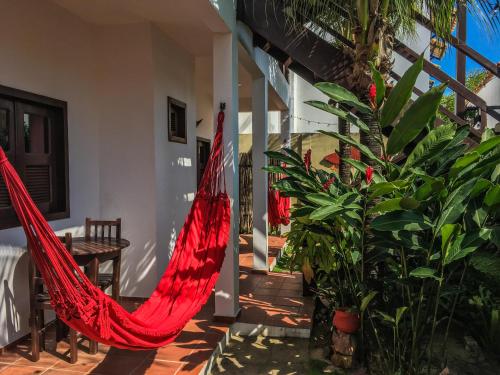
183	289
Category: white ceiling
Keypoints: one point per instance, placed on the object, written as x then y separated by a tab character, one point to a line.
188	22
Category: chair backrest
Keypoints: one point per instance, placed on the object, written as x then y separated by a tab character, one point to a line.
35	281
103	229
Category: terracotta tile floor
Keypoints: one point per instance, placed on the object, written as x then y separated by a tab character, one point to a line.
273	299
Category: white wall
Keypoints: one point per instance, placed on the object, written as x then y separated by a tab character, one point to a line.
204	97
491	94
127	170
420	44
47	51
175	163
273	122
302	91
116	80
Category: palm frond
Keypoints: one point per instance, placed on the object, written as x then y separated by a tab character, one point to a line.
486	12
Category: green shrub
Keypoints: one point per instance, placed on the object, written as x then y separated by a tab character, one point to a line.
398	242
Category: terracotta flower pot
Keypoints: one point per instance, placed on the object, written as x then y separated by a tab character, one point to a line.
345	321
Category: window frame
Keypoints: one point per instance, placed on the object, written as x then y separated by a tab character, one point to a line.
208	142
171	137
60	107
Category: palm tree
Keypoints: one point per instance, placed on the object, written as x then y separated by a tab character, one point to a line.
372	26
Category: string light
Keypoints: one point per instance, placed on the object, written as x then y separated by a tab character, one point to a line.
309	122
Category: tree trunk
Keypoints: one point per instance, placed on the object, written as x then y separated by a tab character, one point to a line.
344	152
370	140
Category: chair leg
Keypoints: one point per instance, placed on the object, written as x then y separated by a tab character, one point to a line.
59	330
116	278
93	274
41	327
35	338
73	346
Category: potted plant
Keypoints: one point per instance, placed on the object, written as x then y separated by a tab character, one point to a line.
346	320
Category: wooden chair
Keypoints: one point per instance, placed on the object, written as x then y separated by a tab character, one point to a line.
102	230
39	302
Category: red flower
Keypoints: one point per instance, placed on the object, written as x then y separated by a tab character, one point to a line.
327	184
307	160
372	95
369	175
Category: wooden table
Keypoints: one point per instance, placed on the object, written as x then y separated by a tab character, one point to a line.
90	253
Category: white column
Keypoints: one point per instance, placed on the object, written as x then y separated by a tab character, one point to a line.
225	76
259	161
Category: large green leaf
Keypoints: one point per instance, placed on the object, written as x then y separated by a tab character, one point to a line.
320	198
357	164
466	244
487	145
399	313
383	188
481	185
476	213
274	169
463	162
455	204
292	154
486	165
282	157
487	263
432	185
410	240
361	167
342	95
496	173
401	93
379	83
409	203
386	206
415	119
487	134
492	197
302	211
401	220
300	174
447	157
424	273
340	113
366	300
448	232
429	146
290	187
362	148
323	212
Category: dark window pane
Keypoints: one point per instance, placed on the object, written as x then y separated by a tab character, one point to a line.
176	121
4	129
36	134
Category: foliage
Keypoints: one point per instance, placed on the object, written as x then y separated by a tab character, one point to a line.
397	243
474	82
373	25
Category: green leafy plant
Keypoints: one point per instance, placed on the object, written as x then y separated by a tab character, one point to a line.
397	242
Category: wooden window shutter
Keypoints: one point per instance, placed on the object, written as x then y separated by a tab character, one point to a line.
36	153
33	133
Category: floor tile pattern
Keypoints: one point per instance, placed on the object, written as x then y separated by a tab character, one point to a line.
273	299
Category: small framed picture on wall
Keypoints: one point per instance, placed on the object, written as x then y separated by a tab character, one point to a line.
177	124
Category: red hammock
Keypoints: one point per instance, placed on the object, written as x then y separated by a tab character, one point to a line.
278	206
182	291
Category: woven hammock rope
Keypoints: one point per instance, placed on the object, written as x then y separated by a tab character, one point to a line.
180	294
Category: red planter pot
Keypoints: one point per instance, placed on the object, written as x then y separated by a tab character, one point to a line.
345	321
